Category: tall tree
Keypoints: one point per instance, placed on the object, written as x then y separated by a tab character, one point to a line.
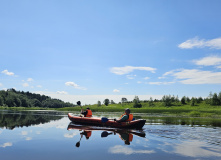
106	102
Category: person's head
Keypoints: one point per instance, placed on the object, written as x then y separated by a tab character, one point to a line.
127	111
88	108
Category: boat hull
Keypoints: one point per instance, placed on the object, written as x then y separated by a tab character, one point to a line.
136	124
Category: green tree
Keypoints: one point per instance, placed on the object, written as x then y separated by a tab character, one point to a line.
215	100
151	102
167	100
1	101
193	101
219	98
183	100
112	102
106	102
136	102
98	103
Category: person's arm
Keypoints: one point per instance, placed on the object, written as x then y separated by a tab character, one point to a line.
124	118
84	112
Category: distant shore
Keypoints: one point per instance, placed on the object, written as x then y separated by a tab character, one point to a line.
184	110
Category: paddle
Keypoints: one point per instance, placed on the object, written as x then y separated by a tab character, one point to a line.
78	143
105	134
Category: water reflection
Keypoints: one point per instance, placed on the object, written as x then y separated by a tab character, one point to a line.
124	134
158	139
13	119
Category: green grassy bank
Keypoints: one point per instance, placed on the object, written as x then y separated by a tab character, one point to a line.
200	110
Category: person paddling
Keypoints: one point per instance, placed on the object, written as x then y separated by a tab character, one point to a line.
126	116
87	113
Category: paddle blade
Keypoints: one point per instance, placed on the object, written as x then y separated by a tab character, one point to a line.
104	134
104	119
77	144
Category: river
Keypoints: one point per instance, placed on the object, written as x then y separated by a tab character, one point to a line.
34	135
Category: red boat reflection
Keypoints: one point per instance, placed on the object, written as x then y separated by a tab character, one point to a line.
125	134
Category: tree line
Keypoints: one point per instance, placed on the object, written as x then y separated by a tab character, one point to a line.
213	99
13	98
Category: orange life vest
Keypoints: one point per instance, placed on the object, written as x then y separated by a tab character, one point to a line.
129	136
89	113
88	133
130	117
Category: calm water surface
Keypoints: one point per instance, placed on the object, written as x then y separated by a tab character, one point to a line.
31	135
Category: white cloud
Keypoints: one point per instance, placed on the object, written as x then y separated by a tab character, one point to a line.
24	133
7	144
39	86
119	149
128	69
195	149
25	84
139	82
74	85
209	61
30	79
160	83
131	76
1	84
146	78
70	135
116	90
28	138
6	72
194	76
61	92
197	43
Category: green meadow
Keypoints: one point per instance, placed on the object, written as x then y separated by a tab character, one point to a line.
200	110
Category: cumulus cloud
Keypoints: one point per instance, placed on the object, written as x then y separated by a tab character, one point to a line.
24	133
195	149
7	144
30	79
119	149
195	76
28	138
74	85
70	135
116	90
129	69
6	72
131	76
25	84
201	43
160	83
61	92
209	61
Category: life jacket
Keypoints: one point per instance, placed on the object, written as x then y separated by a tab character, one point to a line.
130	137
130	117
89	113
88	134
127	137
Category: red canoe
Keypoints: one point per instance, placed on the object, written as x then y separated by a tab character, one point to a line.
135	124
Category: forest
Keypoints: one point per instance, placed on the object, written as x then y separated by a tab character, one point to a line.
13	98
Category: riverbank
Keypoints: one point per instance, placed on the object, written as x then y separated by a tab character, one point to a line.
201	110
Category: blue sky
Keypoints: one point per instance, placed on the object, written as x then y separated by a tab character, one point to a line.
87	50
